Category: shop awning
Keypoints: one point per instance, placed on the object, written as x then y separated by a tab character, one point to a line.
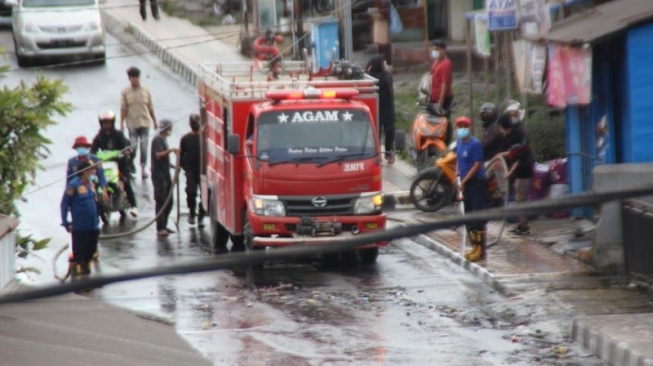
601	21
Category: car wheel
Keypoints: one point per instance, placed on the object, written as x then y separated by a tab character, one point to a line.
101	59
21	60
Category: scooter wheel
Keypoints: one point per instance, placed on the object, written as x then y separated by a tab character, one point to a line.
430	191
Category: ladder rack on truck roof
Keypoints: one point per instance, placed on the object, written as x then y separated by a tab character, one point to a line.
239	80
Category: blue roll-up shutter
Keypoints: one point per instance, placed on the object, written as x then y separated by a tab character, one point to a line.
640	90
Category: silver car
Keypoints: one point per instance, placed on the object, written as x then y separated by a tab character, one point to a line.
57	28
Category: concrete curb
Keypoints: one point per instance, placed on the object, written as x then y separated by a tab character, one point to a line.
478	271
167	56
608	348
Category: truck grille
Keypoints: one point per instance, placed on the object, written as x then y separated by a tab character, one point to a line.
303	205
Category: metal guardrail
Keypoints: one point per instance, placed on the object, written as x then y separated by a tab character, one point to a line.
637	223
7	250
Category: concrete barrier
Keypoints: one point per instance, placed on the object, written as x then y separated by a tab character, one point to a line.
608	246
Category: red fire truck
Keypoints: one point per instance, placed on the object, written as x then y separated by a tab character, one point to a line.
290	161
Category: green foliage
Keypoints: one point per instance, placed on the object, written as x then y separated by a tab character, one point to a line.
545	131
168	7
405	109
26	244
25	111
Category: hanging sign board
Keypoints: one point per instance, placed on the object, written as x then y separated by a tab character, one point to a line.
502	14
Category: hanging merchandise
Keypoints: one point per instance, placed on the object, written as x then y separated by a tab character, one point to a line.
534	18
530	60
395	21
482	34
569	75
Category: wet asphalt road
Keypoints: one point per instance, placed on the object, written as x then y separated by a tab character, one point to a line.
412	308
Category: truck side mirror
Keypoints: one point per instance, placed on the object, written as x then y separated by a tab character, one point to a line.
233	144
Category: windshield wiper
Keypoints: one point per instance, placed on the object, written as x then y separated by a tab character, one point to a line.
298	159
341	158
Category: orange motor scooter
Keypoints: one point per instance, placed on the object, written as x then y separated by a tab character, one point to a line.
435	187
429	132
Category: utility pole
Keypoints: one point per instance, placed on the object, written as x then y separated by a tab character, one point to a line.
347	29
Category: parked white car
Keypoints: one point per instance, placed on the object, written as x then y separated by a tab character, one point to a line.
57	28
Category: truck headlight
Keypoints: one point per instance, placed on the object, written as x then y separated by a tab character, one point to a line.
268	207
368	204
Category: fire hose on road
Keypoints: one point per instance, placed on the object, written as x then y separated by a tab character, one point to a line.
175	181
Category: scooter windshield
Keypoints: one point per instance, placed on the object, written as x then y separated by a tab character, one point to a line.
314	136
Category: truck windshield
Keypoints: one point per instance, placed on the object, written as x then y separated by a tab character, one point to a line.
315	136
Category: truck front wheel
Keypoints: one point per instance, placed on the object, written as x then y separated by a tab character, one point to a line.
368	255
219	234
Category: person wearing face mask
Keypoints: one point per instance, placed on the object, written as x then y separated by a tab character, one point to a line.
521	164
83	148
473	184
441	80
189	153
80	199
493	143
109	138
515	111
161	177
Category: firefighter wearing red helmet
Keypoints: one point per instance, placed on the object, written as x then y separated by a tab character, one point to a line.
83	149
473	184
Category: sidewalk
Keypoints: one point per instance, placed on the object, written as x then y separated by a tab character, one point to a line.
75	330
514	263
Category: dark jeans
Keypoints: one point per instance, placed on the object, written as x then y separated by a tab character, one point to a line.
192	186
389	132
475	197
84	246
448	101
154	6
129	191
162	189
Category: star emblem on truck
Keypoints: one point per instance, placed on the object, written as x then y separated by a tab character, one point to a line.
347	116
283	118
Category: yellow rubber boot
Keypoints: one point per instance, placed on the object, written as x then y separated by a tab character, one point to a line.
472	252
480	244
473	240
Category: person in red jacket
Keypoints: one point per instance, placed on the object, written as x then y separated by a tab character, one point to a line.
265	50
441	79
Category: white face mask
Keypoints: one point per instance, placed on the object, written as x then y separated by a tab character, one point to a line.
435	54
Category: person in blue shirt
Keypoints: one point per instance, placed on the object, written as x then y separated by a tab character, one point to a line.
80	199
473	185
83	148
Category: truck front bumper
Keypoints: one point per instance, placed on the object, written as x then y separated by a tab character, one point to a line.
281	231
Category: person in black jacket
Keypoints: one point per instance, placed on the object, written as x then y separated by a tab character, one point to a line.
377	67
109	138
189	153
493	142
521	164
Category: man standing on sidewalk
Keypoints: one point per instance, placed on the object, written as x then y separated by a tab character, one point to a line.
137	111
473	184
161	179
441	79
521	164
189	153
154	6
